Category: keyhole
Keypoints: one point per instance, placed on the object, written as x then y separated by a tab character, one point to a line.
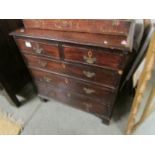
90	54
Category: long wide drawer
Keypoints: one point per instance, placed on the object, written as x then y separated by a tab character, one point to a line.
81	102
96	75
38	48
96	57
114	27
106	95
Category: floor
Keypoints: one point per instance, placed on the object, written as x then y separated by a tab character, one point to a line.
58	119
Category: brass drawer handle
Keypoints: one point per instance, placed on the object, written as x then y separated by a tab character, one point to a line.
88	91
88	106
42	63
88	74
89	60
38	51
47	79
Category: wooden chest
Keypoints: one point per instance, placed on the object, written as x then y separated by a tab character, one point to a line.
79	62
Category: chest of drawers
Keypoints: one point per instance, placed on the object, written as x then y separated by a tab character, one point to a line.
80	66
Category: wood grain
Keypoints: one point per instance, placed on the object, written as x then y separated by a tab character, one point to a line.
81	102
99	76
103	58
117	27
78	62
101	40
106	95
39	48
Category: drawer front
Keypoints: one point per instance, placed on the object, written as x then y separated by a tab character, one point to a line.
115	27
38	48
81	102
94	57
101	93
93	74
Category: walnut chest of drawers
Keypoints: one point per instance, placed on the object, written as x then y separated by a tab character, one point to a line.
78	64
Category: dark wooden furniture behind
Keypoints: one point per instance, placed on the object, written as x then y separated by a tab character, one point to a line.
13	72
82	65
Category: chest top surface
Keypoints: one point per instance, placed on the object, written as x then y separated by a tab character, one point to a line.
90	39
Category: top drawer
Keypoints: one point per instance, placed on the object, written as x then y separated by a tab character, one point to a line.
95	57
38	48
100	26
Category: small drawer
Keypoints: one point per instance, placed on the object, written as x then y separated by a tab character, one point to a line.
73	99
96	57
38	48
95	75
100	93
